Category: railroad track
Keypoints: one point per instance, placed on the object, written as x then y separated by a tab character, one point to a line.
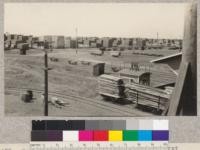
127	111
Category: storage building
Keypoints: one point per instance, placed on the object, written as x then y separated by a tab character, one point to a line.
139	77
173	61
98	68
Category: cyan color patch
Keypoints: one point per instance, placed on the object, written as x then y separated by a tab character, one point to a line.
145	135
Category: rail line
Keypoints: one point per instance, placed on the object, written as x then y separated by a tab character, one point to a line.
128	111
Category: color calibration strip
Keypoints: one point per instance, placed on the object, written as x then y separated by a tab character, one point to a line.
99	146
100	130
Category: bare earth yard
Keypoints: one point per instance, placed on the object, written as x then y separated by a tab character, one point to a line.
76	82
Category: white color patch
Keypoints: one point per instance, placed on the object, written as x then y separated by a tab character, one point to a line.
160	125
70	136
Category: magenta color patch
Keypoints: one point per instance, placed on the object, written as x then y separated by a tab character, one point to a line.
86	135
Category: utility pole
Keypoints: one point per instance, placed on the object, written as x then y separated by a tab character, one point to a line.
157	38
46	83
157	35
46	46
76	40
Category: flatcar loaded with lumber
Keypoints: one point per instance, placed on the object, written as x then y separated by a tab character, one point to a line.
111	87
148	96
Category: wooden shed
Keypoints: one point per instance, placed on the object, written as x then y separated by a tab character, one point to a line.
132	76
94	68
98	68
23	47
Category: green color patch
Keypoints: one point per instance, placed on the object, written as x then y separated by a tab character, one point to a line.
130	135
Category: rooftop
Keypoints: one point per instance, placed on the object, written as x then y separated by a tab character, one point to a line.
134	72
166	57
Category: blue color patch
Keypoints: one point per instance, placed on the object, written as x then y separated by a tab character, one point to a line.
144	135
160	135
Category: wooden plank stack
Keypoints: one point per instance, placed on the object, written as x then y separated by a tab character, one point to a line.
115	53
111	86
148	96
97	52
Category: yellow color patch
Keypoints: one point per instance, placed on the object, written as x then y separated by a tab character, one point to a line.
115	135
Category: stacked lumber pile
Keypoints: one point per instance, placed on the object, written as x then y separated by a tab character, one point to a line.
73	62
115	69
97	52
57	102
115	53
111	86
13	40
148	96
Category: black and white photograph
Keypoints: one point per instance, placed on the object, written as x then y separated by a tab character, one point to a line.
100	59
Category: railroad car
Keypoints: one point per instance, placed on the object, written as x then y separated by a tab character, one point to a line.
111	87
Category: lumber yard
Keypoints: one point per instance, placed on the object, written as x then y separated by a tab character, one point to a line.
92	74
109	43
106	72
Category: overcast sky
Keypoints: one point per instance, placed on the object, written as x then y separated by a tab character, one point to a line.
112	20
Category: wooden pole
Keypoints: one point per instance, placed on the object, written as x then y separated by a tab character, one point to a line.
46	84
76	40
184	99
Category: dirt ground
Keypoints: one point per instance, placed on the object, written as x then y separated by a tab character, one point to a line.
76	80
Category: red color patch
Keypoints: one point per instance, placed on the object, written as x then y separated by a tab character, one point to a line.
101	135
